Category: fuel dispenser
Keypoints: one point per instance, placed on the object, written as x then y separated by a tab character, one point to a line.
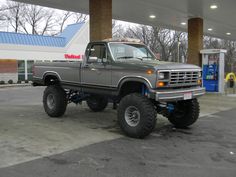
213	64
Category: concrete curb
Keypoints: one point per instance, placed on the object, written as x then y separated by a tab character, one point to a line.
15	85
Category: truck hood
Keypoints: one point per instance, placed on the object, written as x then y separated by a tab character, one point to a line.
159	65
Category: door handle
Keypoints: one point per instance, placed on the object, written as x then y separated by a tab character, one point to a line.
96	70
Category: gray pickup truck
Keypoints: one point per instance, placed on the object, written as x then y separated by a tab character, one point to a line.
127	74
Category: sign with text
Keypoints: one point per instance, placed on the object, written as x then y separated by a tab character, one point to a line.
72	56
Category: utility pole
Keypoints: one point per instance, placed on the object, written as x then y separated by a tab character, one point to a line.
178	51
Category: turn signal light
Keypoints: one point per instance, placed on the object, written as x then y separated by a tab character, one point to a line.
199	82
160	84
149	71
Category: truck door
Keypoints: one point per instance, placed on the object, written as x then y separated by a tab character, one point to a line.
96	71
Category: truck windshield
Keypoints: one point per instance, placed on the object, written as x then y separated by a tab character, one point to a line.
131	51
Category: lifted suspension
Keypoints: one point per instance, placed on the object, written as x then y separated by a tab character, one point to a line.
76	96
165	108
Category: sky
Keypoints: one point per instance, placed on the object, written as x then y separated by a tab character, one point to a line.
6	26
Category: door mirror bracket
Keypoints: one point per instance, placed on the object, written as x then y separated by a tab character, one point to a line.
93	59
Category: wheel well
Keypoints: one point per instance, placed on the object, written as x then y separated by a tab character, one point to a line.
131	87
51	80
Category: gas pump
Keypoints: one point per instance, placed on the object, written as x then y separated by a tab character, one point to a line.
210	74
213	69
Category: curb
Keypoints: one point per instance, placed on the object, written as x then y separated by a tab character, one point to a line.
15	85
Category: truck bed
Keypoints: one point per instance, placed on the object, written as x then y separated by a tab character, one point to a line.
63	70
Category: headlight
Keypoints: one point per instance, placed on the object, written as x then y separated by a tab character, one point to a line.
161	76
200	74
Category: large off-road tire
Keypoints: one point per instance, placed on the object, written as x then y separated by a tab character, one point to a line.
97	103
54	101
136	115
185	113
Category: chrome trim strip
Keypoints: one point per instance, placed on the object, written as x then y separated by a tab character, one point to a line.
162	96
37	77
181	91
133	76
63	67
179	96
86	83
179	70
52	72
183	70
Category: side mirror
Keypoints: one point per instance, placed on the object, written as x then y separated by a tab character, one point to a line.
93	59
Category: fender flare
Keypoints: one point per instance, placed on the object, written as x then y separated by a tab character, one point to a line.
134	79
51	73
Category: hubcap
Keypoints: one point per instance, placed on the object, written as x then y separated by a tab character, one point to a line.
50	101
132	116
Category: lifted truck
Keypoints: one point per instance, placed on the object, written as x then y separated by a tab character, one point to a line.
128	74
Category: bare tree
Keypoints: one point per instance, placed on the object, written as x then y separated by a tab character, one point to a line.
49	23
5	7
184	46
63	19
167	43
37	20
68	17
230	56
28	19
117	29
78	17
178	47
140	32
13	12
32	19
160	40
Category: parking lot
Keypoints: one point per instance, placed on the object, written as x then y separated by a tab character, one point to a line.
83	143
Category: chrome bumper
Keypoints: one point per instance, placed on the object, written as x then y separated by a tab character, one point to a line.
177	95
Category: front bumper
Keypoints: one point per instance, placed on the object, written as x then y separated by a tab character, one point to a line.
177	94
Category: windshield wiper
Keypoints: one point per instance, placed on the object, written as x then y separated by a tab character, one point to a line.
147	57
140	58
125	57
130	57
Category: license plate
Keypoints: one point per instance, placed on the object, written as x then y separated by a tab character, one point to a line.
188	96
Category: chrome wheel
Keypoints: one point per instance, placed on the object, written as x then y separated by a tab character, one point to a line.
50	101
132	116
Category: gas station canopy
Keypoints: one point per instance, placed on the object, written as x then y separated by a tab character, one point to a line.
218	15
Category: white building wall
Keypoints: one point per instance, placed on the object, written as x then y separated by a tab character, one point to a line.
9	76
22	52
79	43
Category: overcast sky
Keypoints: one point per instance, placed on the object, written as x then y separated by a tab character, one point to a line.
5	27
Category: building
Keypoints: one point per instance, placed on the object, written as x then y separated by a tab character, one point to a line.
19	51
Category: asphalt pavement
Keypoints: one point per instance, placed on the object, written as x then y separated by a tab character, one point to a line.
87	144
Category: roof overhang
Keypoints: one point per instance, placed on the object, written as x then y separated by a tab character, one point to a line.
169	13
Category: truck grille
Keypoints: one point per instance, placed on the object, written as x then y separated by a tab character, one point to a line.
183	78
